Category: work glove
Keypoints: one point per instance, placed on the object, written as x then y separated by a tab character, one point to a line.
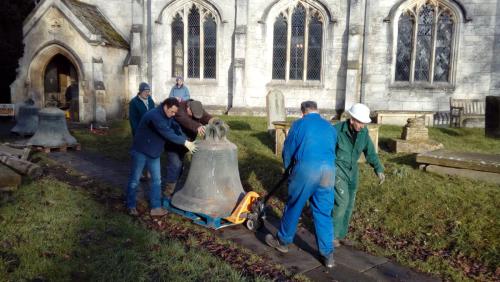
191	146
381	177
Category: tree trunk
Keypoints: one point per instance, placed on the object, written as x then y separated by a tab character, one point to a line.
21	166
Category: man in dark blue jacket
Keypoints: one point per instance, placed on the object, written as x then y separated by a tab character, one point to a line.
192	118
139	105
310	149
155	127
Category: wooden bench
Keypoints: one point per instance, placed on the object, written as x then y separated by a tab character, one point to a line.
463	109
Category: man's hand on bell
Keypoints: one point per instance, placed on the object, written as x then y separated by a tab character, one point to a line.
201	130
191	146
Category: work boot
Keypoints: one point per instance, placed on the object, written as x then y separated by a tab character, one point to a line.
328	261
336	243
169	189
158	212
275	243
346	242
133	212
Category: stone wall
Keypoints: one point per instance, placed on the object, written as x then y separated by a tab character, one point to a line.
251	88
208	91
474	58
358	53
43	40
329	92
495	66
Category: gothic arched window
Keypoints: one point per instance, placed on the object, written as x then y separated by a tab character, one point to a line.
194	43
297	44
424	45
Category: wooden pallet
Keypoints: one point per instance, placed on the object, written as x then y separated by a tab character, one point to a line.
63	148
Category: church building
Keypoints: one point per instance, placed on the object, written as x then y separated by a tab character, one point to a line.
393	55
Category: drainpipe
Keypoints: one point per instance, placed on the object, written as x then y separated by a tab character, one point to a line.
363	56
149	48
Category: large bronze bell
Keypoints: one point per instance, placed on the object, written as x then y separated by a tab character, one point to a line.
52	129
26	119
213	185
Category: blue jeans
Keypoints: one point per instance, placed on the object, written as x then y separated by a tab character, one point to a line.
175	160
139	161
313	182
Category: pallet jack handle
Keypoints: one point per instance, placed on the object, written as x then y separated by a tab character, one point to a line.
284	177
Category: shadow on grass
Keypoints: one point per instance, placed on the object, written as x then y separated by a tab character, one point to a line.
384	144
259	170
449	131
409	159
265	138
238	125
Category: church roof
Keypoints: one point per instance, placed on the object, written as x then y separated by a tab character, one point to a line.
95	21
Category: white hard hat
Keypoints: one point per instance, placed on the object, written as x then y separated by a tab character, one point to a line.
360	112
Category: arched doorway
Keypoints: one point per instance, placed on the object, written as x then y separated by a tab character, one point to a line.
39	66
61	85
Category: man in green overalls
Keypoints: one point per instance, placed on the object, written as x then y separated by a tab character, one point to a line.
352	139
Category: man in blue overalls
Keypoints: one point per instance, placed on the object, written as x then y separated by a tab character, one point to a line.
310	148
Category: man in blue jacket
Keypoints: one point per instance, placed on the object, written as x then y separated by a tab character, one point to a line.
179	90
310	149
139	105
155	127
192	118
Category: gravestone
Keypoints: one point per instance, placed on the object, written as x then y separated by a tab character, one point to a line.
281	129
275	106
484	167
414	138
492	117
100	110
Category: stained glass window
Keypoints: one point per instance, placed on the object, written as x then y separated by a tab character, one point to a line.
314	49
210	40
443	47
424	43
279	48
194	43
297	43
195	32
301	30
423	32
177	47
405	43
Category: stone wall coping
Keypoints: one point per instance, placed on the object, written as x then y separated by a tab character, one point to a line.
402	112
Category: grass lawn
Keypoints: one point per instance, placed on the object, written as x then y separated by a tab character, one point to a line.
55	232
448	226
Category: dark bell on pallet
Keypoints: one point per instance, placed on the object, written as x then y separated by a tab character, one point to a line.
52	130
213	185
26	119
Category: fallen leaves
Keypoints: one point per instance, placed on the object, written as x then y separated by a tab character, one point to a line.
244	262
418	250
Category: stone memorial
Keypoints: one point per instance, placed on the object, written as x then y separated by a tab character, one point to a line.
478	166
275	106
492	117
414	138
281	129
